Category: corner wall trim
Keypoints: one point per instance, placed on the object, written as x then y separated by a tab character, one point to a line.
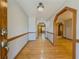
49	41
68	38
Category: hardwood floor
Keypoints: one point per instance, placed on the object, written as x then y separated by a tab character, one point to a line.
43	49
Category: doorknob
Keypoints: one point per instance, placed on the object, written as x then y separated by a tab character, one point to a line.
3	31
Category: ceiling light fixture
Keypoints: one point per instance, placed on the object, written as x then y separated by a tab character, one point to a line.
40	7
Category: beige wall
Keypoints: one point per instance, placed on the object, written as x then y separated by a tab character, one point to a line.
68	29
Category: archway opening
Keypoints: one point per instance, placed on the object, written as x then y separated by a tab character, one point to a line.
41	28
67	31
60	29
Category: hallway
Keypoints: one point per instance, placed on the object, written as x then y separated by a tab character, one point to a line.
43	49
23	21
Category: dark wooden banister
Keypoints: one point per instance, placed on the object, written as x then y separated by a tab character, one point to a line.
15	37
18	36
50	32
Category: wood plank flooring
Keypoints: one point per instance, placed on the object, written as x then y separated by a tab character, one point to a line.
43	49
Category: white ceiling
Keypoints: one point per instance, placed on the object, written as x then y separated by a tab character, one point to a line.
51	6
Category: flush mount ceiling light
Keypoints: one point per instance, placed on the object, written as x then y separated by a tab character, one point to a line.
40	7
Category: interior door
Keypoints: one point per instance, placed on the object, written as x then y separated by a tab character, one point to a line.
3	29
60	29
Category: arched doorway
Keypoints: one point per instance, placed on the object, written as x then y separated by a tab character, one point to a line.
60	29
69	27
40	29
